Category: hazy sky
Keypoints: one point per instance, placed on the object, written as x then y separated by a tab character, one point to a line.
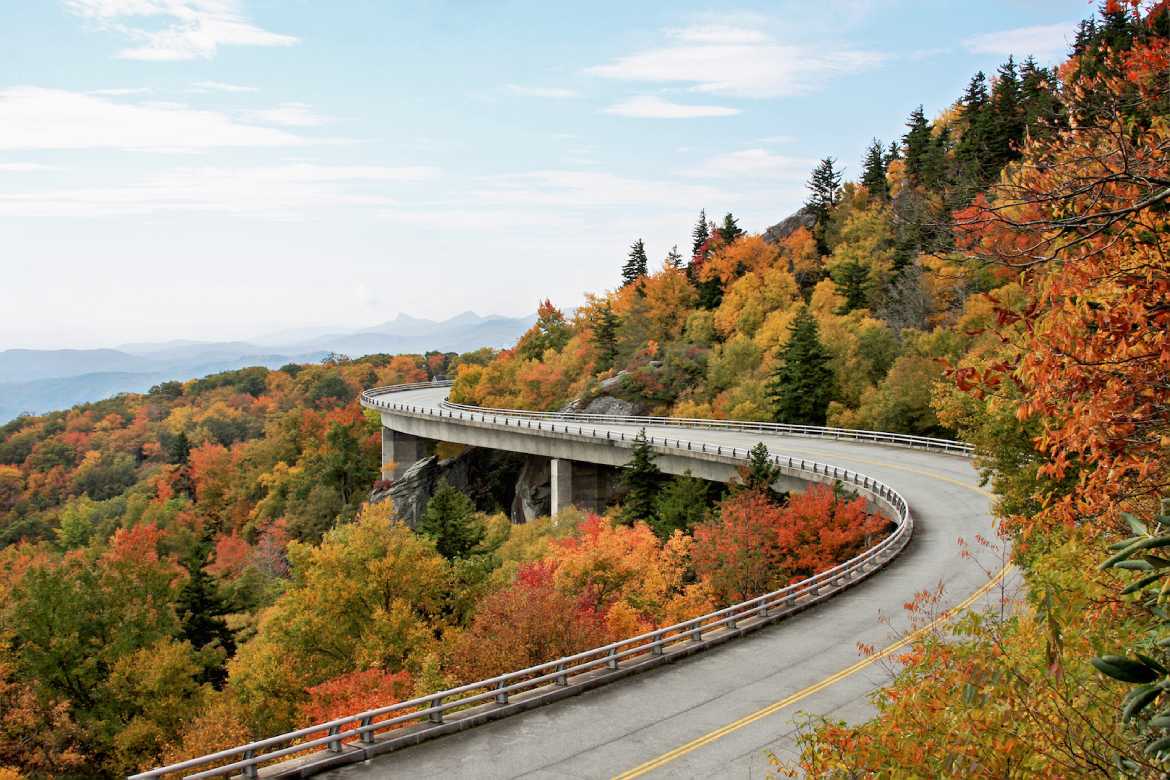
220	168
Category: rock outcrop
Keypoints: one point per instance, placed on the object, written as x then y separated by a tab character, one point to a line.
786	227
485	476
533	497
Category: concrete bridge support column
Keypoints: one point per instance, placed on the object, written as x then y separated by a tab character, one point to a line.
562	484
400	451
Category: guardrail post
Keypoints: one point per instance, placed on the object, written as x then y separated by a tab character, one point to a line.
334	745
367	736
502	695
612	661
250	770
562	678
732	621
656	647
435	711
697	633
763	611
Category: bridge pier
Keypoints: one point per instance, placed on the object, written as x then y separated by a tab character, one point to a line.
400	451
587	486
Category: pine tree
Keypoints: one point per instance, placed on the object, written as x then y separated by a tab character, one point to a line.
801	386
894	152
451	521
760	472
824	191
851	279
673	258
605	337
1006	125
636	266
917	142
730	229
642	480
700	234
873	175
681	505
201	609
971	153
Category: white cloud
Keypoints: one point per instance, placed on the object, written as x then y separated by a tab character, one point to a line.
1046	40
36	118
554	189
753	163
275	191
220	86
120	91
653	107
25	167
542	92
290	115
737	61
189	29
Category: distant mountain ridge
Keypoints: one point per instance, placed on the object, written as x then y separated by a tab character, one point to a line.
37	381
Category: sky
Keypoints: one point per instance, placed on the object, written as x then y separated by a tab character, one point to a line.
219	169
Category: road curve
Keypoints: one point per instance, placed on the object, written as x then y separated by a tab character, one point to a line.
719	713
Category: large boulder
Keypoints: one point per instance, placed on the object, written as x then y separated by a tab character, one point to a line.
484	475
610	396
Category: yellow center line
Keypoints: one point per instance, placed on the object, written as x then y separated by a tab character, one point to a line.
800	695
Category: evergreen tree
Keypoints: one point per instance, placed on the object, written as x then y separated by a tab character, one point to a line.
1040	99
201	610
681	505
178	448
851	279
730	229
450	520
894	152
605	337
917	142
971	153
636	266
700	234
673	258
873	175
824	191
760	472
1006	126
642	480
801	386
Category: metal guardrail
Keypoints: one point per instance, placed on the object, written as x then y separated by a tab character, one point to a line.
813	431
332	735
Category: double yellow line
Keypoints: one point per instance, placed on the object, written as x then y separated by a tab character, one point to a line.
800	695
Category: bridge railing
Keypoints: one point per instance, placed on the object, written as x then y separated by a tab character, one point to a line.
362	728
372	399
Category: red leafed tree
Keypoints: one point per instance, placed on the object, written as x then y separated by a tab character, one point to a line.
756	546
355	692
526	623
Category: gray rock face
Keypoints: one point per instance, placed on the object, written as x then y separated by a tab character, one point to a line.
533	490
786	227
413	490
607	404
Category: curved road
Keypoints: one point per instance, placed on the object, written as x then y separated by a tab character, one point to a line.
719	713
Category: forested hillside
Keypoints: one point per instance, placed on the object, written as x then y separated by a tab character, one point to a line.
186	569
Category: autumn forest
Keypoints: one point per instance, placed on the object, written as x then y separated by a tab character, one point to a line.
193	567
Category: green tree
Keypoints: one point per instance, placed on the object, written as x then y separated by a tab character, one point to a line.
201	611
730	229
642	480
760	472
873	175
681	505
801	386
917	142
450	519
824	191
700	234
605	329
636	265
851	279
673	258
